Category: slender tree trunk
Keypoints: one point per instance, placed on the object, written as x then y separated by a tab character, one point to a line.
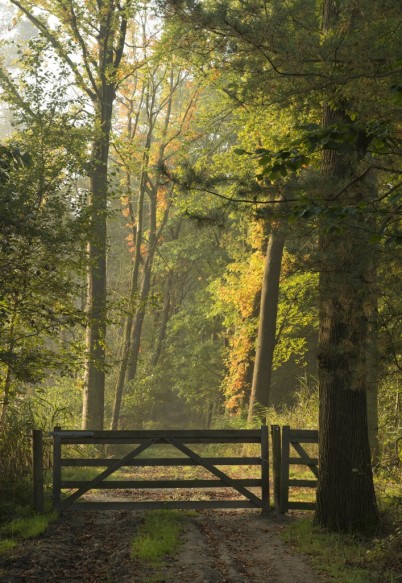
372	363
266	339
154	236
125	351
250	357
119	388
6	389
6	396
164	320
136	330
135	340
94	393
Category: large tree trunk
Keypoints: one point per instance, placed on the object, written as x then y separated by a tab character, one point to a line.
345	495
266	339
94	60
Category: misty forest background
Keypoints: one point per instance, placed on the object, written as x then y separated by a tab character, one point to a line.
197	200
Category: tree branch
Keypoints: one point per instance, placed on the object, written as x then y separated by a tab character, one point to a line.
56	44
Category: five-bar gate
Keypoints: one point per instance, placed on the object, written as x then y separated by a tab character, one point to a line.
182	441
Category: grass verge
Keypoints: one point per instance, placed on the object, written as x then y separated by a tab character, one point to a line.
347	558
23	528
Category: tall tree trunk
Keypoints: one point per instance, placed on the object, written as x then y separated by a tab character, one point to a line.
345	495
125	352
135	341
94	392
136	329
266	339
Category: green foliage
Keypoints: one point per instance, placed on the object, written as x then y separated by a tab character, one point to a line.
158	536
389	429
342	138
251	134
42	224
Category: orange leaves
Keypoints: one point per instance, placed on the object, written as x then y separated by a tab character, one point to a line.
162	198
237	381
130	243
125	201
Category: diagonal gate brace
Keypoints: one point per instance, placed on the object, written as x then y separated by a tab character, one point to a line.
211	468
305	458
95	481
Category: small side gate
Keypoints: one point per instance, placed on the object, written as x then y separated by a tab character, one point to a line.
283	450
143	440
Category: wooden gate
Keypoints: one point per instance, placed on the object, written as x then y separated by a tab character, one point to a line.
143	440
283	457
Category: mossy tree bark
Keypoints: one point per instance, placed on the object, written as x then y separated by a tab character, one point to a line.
345	495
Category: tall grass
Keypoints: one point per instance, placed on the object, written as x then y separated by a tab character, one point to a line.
24	414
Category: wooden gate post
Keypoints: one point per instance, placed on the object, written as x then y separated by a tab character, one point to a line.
276	464
56	469
37	470
284	497
264	469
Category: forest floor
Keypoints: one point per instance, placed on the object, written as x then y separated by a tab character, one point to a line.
217	546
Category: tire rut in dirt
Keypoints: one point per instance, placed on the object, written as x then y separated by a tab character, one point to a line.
241	547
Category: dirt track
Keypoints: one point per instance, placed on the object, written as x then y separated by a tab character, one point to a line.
218	547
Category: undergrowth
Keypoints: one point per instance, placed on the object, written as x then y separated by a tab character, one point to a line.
348	558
